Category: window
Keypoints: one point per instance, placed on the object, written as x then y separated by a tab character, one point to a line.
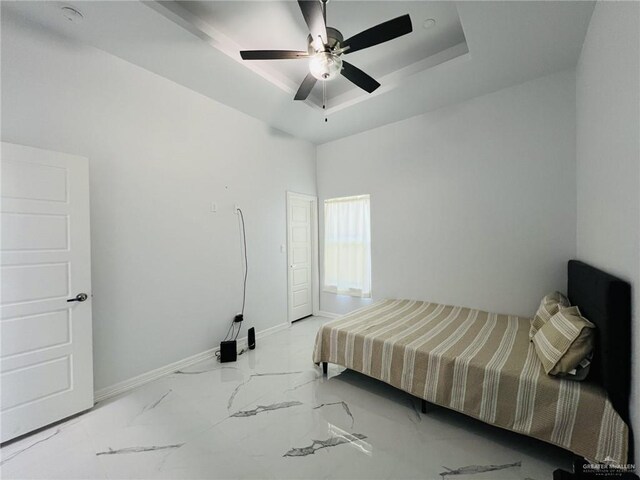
347	246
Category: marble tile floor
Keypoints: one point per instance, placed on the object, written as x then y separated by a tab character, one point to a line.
271	415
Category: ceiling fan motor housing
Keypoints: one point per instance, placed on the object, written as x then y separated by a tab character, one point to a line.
334	40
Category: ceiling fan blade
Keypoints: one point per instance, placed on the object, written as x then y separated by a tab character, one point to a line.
272	54
314	17
379	34
358	77
305	87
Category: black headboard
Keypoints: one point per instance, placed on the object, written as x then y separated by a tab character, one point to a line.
606	301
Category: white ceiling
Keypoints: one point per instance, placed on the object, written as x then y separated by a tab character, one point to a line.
475	48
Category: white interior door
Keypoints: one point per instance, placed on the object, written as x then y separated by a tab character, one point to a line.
46	362
300	222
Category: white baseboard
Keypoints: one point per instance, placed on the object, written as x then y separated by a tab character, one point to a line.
322	313
271	330
151	375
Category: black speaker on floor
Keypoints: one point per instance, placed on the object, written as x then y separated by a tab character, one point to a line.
228	351
251	338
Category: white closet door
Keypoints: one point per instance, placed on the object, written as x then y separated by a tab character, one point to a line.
46	361
300	249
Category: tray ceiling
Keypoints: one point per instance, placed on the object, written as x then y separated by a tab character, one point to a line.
279	25
477	47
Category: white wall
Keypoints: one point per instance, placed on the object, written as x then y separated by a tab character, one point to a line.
471	205
608	155
166	271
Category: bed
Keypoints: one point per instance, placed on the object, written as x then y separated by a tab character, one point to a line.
483	365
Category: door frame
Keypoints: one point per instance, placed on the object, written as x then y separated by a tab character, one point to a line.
315	277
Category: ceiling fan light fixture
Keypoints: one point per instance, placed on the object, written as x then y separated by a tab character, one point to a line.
325	66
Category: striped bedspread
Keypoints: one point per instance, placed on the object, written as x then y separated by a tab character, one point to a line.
478	363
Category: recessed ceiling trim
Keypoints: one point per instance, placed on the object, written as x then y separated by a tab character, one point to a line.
173	11
395	79
509	43
218	40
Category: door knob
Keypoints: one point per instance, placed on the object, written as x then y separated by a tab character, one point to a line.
81	297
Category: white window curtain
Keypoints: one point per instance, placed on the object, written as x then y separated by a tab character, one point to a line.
347	246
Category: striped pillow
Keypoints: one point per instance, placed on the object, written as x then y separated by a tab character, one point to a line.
549	306
564	341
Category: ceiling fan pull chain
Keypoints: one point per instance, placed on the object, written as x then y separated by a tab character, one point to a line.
324	100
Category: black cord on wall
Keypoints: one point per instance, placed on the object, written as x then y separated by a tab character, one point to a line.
226	337
246	263
232	327
246	269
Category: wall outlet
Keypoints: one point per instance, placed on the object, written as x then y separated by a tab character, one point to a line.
236	207
214	207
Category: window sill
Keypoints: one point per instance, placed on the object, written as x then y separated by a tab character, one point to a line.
347	293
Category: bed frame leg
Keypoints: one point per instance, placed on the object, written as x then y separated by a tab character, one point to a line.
575	475
325	368
425	406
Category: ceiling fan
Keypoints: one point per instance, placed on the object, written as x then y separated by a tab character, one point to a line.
326	46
